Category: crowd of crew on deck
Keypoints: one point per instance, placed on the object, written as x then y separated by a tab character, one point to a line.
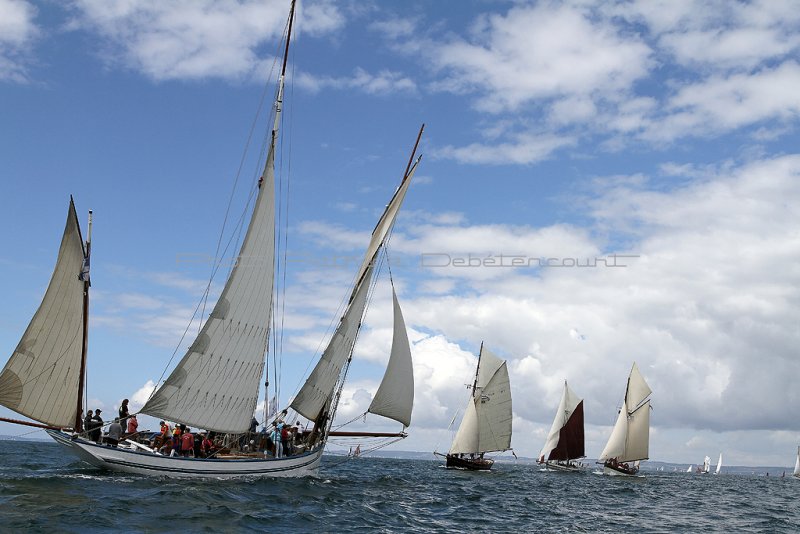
282	439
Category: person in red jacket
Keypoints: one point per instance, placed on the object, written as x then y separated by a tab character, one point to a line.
187	443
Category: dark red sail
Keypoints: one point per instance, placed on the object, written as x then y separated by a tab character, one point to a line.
570	438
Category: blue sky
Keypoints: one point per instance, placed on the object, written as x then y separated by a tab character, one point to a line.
567	130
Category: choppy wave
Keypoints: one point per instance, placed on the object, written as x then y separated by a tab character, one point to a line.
41	489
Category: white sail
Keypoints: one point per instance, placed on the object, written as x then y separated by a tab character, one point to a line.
689	470
719	464
320	384
318	388
41	378
637	444
706	464
615	447
215	386
630	438
797	463
486	425
466	440
494	412
395	396
569	401
638	390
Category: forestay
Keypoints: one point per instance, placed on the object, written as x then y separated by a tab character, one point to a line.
41	378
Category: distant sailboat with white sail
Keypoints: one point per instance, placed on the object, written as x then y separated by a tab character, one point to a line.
486	424
706	467
689	469
630	439
796	473
565	441
719	464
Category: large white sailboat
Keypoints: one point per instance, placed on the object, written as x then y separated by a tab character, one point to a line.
630	439
486	424
565	441
216	384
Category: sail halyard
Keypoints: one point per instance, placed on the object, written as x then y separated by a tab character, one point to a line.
41	378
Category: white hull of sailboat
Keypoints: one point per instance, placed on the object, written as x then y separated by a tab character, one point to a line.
615	473
146	463
564	468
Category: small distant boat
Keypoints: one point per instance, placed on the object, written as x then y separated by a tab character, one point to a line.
630	438
689	470
796	473
719	464
565	442
486	425
705	468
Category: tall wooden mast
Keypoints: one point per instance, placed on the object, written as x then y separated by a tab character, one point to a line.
84	275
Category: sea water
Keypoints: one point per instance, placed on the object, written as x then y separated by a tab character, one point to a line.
44	489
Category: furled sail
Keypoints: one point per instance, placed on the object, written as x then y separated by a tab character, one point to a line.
486	425
565	440
319	387
215	386
395	396
630	438
41	378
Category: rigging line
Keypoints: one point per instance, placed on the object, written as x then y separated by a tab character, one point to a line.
279	353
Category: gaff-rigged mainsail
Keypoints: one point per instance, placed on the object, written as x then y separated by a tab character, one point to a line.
630	438
486	425
41	379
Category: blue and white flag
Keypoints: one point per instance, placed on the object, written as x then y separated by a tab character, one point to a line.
84	274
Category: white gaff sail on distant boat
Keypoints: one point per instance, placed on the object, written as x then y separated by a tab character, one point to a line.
719	464
630	438
216	384
797	464
689	470
565	441
486	424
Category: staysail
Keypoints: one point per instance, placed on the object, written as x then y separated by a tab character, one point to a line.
486	425
215	386
319	387
565	441
630	438
395	396
40	380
